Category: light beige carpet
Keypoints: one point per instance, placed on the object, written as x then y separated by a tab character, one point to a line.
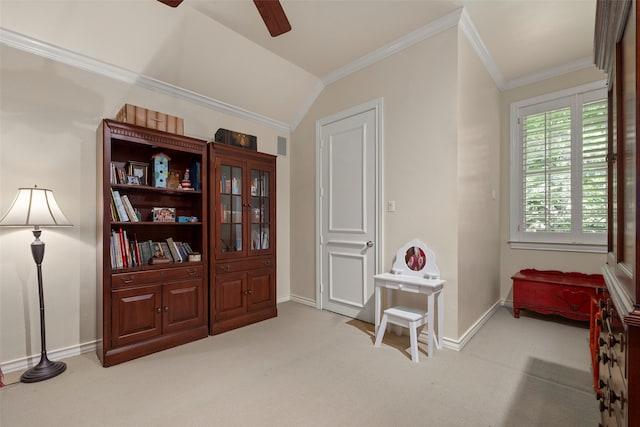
314	368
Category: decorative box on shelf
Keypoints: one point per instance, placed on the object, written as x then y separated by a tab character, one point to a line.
236	139
139	116
556	292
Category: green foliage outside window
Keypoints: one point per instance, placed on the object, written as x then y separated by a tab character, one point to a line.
547	170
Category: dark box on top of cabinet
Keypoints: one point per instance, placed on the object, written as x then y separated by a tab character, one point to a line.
237	139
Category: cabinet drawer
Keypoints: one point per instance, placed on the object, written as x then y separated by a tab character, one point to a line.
407	287
232	267
125	280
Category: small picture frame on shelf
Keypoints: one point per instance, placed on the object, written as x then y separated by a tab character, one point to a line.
139	170
164	214
133	180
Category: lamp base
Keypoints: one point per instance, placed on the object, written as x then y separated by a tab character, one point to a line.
43	371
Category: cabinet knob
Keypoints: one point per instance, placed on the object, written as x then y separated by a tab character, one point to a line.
166	308
158	310
613	397
267	262
613	341
603	407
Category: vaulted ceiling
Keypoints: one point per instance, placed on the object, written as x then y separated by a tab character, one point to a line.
220	49
523	37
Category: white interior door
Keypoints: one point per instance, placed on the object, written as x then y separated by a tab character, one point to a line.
348	201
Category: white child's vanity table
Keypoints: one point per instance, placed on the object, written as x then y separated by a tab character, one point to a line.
414	270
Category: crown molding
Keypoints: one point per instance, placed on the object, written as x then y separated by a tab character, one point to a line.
423	33
553	72
469	30
83	62
315	93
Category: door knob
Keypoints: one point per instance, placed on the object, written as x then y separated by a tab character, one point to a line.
369	244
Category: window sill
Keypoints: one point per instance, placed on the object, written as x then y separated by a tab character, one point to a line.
562	247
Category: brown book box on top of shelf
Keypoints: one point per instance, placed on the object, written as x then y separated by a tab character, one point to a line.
146	307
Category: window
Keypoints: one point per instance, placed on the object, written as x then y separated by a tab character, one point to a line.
559	170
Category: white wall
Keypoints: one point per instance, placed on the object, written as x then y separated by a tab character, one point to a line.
180	46
48	119
513	260
419	159
478	188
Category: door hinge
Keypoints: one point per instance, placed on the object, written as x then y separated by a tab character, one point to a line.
612	157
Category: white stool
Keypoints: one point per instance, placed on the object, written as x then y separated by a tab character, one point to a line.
406	317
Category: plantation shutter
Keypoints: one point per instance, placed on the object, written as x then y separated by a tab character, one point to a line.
546	163
594	167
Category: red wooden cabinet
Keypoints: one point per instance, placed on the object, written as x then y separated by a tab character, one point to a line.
556	292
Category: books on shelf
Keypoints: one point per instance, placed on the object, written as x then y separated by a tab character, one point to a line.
131	213
122	213
175	253
127	252
121	208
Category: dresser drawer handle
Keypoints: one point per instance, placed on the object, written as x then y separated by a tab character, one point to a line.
224	267
267	262
127	280
192	272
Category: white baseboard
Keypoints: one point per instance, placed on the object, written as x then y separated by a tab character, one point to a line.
507	303
63	353
303	300
283	299
458	344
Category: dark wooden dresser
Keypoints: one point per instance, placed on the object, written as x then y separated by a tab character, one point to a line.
616	347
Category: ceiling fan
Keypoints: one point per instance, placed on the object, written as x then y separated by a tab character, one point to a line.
271	11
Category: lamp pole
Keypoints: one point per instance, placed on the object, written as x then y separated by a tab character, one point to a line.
45	369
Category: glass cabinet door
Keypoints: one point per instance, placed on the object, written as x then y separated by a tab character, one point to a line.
230	209
260	210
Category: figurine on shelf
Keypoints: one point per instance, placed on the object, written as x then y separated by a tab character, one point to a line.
173	182
186	183
160	169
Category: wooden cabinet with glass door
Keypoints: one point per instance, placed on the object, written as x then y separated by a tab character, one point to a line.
242	208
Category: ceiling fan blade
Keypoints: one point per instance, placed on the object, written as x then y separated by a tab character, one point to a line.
172	3
273	16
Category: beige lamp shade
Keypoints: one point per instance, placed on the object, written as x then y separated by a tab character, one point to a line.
34	207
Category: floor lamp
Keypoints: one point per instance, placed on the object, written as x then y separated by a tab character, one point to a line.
36	207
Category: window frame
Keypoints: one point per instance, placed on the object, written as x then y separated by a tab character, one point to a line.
575	241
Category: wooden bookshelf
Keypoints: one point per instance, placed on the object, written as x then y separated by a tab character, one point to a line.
146	307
